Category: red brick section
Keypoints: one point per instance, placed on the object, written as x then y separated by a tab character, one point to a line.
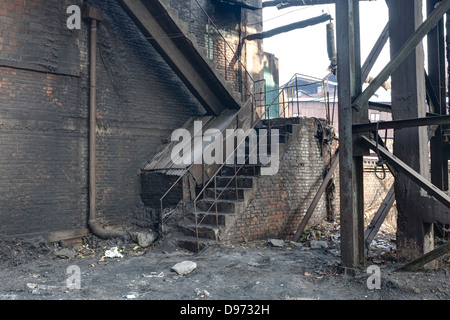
281	200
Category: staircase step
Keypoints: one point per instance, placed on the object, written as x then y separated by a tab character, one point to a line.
242	170
230	181
191	244
208	205
205	231
228	193
210	218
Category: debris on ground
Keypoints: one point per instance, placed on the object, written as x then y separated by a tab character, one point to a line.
276	242
184	267
66	253
255	269
320	244
113	253
202	293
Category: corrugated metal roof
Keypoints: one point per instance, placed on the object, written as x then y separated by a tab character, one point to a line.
162	161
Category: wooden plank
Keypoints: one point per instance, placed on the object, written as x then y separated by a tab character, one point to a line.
317	197
379	217
400	166
403	53
65	235
426	258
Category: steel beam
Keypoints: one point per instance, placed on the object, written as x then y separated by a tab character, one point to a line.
409	102
281	4
426	258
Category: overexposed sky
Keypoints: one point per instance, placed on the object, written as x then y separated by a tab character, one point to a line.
304	51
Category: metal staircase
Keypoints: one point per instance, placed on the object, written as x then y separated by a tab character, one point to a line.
223	194
213	195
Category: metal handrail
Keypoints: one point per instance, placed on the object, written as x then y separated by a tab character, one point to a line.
233	119
248	76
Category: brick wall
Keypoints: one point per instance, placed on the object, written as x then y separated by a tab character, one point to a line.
222	38
44	101
376	186
375	190
281	200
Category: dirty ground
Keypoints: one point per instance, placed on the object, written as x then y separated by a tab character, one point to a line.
273	269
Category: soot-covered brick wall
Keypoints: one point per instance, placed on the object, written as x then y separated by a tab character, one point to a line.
44	101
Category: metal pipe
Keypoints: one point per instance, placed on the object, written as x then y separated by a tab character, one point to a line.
92	120
93	223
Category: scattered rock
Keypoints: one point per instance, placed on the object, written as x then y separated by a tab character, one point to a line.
296	244
184	267
145	239
131	295
416	290
276	242
202	293
66	253
318	244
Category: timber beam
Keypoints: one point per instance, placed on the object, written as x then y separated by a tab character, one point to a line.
281	4
403	168
402	53
399	124
350	153
378	218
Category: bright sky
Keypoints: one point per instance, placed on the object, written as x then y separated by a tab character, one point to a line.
304	51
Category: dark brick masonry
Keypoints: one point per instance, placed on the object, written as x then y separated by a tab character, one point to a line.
44	115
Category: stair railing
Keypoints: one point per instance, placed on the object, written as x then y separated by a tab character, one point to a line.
252	103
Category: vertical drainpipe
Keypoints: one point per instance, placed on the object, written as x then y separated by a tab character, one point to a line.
92	120
94	15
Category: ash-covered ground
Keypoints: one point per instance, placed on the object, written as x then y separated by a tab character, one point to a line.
272	269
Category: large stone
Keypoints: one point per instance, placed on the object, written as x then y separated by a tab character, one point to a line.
184	267
318	244
66	253
276	242
145	239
